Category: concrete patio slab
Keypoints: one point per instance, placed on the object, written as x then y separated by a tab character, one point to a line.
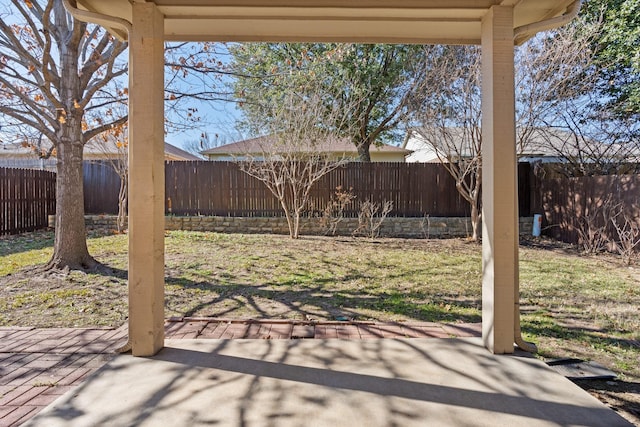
373	382
38	365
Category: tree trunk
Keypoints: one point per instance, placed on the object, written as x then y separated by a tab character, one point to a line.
363	151
70	246
296	224
122	202
287	215
475	221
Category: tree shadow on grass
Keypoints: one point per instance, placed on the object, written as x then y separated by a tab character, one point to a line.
595	337
591	338
36	240
619	394
312	300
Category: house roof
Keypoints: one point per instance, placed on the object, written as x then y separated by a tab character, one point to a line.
175	153
542	142
93	148
402	21
258	144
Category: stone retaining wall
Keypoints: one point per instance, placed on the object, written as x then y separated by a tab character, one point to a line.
392	227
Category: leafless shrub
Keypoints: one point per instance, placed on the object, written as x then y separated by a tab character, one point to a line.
425	226
293	156
371	216
592	226
333	213
114	145
628	235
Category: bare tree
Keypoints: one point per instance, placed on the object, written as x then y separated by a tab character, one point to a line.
121	166
561	112
114	144
205	142
449	115
558	113
55	78
293	155
196	75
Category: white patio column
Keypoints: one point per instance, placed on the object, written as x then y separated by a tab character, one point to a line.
146	180
499	182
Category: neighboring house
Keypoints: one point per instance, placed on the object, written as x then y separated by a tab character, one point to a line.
256	147
171	152
541	146
422	151
19	155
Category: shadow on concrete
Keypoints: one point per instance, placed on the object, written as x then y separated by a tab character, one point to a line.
435	382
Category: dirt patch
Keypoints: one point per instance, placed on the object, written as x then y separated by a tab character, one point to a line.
623	397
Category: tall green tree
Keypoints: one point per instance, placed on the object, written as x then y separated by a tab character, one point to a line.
617	51
379	79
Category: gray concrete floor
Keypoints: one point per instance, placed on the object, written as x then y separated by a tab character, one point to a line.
375	382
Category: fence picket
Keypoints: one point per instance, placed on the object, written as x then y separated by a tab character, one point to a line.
27	198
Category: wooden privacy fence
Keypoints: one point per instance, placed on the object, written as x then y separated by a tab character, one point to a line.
416	189
27	197
567	201
101	187
222	189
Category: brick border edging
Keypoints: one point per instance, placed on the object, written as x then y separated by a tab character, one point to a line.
216	328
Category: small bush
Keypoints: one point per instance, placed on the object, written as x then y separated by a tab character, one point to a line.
333	213
371	216
628	232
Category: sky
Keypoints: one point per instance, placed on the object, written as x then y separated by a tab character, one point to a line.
216	117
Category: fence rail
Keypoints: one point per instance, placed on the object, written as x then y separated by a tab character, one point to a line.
27	197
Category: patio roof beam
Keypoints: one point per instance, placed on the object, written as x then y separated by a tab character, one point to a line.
370	21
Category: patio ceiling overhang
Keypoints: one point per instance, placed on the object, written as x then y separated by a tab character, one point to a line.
371	21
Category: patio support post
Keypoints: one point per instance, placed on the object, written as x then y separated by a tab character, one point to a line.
499	182
146	180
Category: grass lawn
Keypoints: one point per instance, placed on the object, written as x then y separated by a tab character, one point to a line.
573	306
